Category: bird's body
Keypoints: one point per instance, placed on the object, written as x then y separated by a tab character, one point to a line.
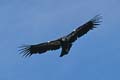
64	42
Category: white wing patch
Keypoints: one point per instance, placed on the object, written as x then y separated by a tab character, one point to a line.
74	29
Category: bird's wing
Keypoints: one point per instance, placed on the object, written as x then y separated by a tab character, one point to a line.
28	50
80	31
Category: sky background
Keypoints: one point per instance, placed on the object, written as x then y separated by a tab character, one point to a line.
95	56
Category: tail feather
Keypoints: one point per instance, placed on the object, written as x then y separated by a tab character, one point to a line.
65	50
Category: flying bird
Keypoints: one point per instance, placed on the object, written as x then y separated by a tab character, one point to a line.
65	42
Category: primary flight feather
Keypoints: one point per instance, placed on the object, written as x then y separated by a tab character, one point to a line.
64	42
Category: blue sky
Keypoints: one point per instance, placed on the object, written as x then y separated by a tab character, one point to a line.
95	56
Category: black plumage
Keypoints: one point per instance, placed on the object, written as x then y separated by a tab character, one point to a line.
64	42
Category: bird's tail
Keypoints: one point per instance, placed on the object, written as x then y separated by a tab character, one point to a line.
65	50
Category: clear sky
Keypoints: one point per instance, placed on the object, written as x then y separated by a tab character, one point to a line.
95	56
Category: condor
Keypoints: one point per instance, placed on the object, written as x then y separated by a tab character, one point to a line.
64	42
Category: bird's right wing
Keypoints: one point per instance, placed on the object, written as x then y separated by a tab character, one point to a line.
80	31
28	50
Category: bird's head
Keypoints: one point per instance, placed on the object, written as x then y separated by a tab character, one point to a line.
63	39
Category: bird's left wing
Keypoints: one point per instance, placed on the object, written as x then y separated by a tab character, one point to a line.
81	30
28	50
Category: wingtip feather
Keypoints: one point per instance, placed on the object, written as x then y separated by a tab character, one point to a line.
25	50
96	20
